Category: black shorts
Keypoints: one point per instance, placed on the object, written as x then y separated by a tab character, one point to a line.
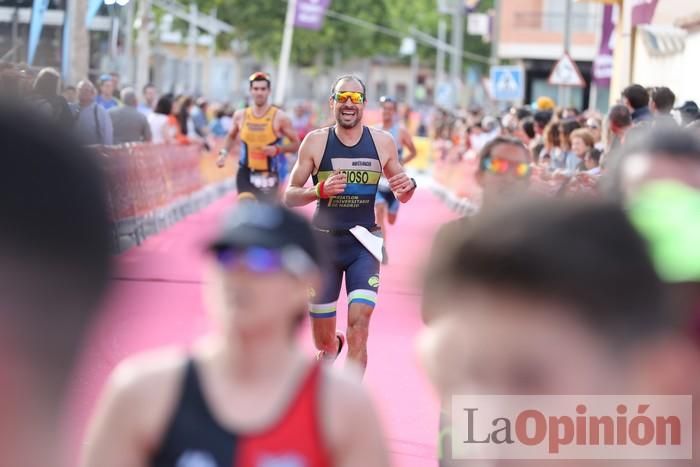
347	257
263	186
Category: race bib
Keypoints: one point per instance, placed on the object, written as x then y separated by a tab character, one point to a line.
264	180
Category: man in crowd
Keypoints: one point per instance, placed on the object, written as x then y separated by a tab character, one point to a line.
619	121
129	125
150	98
94	125
661	104
636	99
106	92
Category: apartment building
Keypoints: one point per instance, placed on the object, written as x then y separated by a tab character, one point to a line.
532	35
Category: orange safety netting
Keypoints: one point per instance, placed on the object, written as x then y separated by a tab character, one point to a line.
142	177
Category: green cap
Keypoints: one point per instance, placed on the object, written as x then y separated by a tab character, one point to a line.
667	214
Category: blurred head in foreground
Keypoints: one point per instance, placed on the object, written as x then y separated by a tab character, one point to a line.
546	297
55	250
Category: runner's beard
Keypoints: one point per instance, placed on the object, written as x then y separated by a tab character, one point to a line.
348	124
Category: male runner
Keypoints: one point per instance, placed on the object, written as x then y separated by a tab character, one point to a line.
386	204
346	162
261	128
246	396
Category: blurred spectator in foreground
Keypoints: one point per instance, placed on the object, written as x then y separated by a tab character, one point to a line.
661	154
551	297
129	125
55	248
167	408
94	125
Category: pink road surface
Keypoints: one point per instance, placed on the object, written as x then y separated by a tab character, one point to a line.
156	300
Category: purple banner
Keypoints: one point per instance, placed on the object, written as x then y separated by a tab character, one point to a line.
311	13
603	63
643	11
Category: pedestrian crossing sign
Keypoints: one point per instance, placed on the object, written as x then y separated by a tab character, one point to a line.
507	83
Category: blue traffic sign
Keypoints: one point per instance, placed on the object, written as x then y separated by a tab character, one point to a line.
507	83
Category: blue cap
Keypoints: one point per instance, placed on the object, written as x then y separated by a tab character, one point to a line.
105	77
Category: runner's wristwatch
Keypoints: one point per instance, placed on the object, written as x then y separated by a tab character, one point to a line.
415	184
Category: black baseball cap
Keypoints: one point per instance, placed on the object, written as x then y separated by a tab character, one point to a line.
689	107
270	226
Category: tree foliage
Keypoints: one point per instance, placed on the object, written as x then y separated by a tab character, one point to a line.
260	24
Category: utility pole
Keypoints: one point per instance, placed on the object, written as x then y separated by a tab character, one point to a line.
440	62
192	49
495	31
129	43
457	44
285	53
564	91
143	45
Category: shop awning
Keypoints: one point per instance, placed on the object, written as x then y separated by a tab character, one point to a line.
661	40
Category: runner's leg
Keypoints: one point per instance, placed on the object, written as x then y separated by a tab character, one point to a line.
323	307
362	283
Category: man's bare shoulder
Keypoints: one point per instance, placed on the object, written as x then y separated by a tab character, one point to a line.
147	374
238	115
381	136
319	133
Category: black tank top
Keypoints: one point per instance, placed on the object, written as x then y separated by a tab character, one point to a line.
194	438
363	169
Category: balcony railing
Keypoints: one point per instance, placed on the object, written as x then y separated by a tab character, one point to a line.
554	22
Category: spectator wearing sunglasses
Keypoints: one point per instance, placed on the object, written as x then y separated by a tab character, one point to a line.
261	129
246	395
595	126
504	175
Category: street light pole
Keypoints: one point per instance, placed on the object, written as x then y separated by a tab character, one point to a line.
143	44
286	52
457	44
440	61
564	90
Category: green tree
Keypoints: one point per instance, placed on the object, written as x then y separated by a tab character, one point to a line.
260	23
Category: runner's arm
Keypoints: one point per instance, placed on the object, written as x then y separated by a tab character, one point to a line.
295	194
287	130
401	184
112	439
132	415
407	143
230	138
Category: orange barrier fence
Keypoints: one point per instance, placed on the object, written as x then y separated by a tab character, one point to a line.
151	186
